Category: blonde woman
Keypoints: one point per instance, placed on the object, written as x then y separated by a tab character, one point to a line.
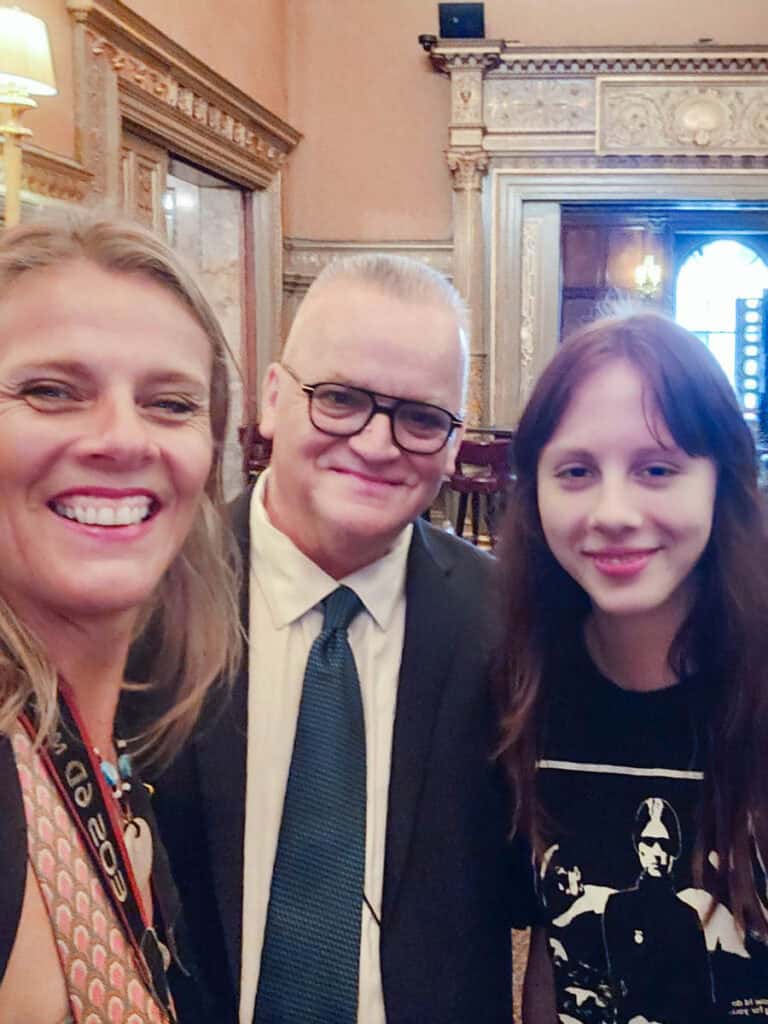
113	407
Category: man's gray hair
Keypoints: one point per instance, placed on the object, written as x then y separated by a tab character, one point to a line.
398	276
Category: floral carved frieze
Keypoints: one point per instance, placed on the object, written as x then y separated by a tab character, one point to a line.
539	105
710	116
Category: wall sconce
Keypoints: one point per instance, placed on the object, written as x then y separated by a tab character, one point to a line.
648	277
26	70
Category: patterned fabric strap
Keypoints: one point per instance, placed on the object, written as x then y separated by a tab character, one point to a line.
103	982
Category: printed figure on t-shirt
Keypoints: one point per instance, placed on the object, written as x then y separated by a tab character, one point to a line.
654	943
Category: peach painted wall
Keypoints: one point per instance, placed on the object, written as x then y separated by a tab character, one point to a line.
375	116
624	22
243	40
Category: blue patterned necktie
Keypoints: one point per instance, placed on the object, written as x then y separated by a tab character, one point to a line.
311	954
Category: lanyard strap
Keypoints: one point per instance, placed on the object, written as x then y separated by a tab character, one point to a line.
71	764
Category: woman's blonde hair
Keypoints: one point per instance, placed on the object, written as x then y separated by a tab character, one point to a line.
193	616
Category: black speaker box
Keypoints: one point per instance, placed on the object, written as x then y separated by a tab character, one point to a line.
462	21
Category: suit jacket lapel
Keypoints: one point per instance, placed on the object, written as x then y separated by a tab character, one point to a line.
222	759
430	631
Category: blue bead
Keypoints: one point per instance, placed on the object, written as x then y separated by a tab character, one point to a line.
124	766
110	773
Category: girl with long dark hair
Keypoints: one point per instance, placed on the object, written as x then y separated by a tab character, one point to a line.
635	690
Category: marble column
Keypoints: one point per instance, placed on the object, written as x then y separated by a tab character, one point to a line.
467	169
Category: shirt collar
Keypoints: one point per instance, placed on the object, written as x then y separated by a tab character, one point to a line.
292	584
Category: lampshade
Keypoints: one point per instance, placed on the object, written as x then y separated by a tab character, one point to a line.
25	54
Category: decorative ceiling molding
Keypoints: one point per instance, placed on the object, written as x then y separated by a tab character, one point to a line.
127	70
658	60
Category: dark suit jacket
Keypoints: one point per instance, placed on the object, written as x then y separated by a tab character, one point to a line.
445	929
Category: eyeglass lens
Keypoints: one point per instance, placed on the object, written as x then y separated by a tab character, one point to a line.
345	411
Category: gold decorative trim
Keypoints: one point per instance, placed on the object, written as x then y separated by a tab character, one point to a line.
128	70
53	176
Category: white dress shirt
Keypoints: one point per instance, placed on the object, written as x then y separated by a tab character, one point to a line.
286	589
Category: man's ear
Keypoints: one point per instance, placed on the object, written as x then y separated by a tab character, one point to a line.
454	444
270	389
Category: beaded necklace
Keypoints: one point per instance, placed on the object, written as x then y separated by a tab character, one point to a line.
137	834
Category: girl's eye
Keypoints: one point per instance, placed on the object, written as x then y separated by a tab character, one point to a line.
572	473
658	472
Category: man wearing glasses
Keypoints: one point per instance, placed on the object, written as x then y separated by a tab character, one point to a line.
354	835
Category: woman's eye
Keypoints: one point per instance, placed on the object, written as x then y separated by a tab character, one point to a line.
47	392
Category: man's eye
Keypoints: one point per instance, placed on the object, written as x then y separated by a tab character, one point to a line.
339	400
176	406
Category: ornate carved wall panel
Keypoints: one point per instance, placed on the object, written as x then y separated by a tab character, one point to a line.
703	115
144	167
539	105
668	124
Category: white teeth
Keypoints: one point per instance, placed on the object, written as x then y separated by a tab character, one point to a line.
120	513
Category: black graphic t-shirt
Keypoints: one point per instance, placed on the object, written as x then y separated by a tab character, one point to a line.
630	934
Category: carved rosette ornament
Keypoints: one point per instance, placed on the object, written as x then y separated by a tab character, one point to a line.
467	169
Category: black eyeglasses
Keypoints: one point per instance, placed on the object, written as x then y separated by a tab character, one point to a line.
343	411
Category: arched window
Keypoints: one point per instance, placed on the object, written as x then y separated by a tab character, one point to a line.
710	281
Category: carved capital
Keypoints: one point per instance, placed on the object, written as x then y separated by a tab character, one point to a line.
467	169
80	9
